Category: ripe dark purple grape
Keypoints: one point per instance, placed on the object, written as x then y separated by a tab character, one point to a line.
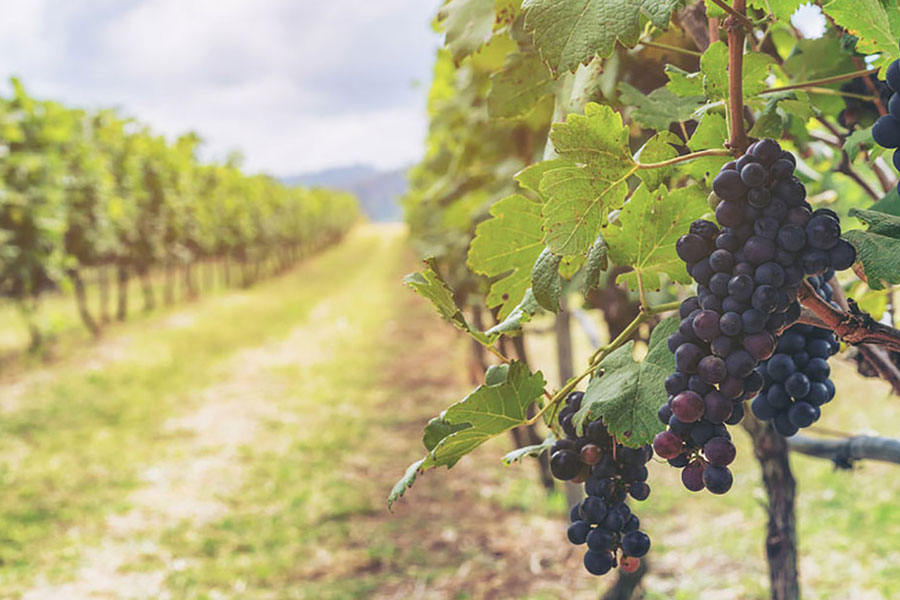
691	247
636	543
720	451
823	232
718	480
692	476
886	132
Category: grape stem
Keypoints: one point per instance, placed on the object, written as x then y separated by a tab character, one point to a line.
601	353
853	327
672	48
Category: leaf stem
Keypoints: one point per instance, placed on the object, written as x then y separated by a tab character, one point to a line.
672	48
820	82
684	157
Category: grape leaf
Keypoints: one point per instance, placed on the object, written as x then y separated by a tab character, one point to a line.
711	132
578	197
530	177
545	280
571	32
682	83
858	140
489	410
507	244
714	66
597	262
878	248
871	22
517	88
534	450
430	285
657	149
648	226
779	107
889	203
520	315
627	393
469	25
660	107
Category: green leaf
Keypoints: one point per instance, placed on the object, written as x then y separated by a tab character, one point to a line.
889	204
627	393
682	83
878	249
648	227
660	107
657	149
871	22
469	25
545	280
858	140
571	32
525	451
520	315
578	197
530	177
430	285
714	66
780	9
521	84
508	244
597	262
711	132
491	409
779	107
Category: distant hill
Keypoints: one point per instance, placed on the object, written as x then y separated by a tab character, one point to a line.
379	192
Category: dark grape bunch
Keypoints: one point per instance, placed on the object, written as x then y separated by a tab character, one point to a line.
795	378
610	472
886	130
861	111
748	275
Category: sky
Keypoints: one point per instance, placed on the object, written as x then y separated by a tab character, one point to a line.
294	85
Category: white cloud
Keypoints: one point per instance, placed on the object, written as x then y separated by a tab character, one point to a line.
294	85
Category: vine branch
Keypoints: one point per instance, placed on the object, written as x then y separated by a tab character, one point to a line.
844	452
736	34
853	327
819	82
684	157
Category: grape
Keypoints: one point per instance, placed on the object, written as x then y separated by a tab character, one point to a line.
717	408
765	298
886	132
721	347
691	247
753	175
639	490
780	367
823	232
720	451
759	250
688	306
590	454
687	357
797	385
687	406
601	539
762	409
598	563
692	477
769	273
667	444
730	214
730	323
818	369
578	532
767	151
718	480
706	325
760	345
767	227
718	284
740	364
783	425
842	255
782	169
676	382
803	414
792	237
565	464
636	543
892	76
894	106
712	369
721	261
758	197
753	321
729	186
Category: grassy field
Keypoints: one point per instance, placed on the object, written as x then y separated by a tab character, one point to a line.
242	446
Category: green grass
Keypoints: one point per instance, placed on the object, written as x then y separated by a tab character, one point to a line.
337	368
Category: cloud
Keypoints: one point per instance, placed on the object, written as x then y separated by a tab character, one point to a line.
294	85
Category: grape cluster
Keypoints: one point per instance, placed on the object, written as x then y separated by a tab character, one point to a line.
610	472
748	275
886	130
796	382
858	110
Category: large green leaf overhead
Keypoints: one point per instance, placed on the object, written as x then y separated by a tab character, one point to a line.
578	196
875	22
628	392
646	231
494	407
571	32
508	244
516	89
469	25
